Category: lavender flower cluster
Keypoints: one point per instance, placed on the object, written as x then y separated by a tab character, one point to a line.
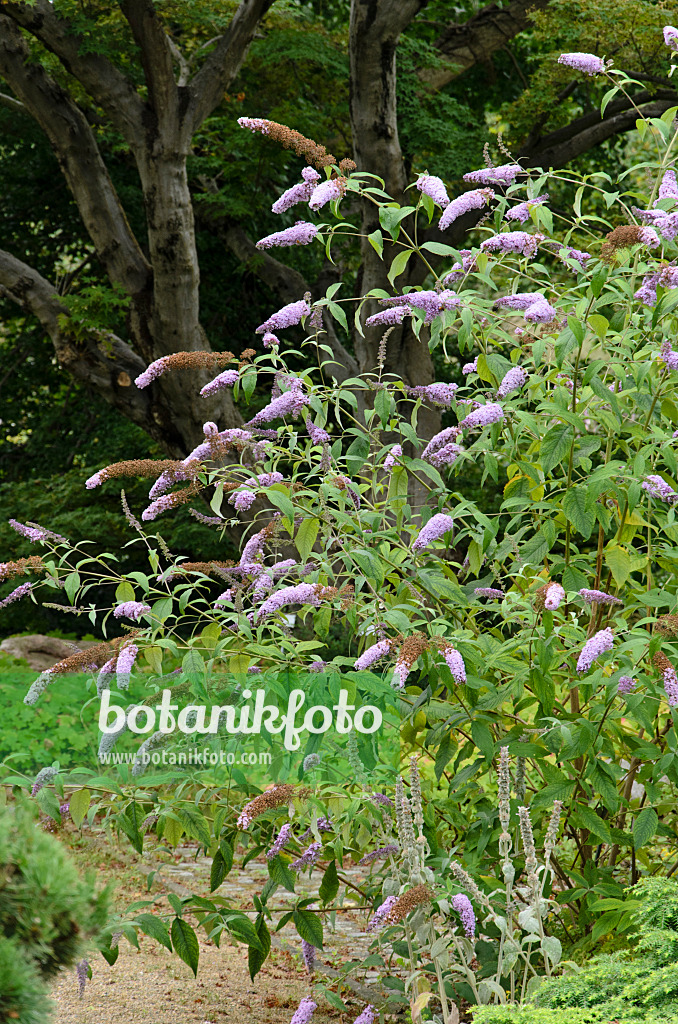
437	525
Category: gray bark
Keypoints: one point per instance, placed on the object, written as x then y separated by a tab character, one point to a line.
164	287
474	41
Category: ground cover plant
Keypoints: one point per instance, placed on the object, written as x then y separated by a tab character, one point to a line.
529	652
47	916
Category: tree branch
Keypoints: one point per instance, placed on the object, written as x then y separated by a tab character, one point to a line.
107	86
156	59
79	158
104	363
474	41
563	145
207	87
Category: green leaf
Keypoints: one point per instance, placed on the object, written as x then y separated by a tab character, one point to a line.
156	928
162	609
256	958
555	446
574	507
185	943
124	592
281	500
619	562
226	851
195	825
71	585
329	886
644	827
309	927
577	328
306	536
128	824
218	871
193	665
376	240
172	830
356	454
79	806
400	261
281	874
370	565
588	818
483	739
599	324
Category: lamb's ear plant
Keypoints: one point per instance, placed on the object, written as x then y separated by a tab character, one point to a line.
540	628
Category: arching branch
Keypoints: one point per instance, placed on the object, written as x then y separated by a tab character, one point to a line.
78	154
105	83
474	41
207	87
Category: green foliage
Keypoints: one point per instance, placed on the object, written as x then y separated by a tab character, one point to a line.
47	913
595	1015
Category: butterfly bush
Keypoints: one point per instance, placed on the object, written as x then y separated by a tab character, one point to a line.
493	543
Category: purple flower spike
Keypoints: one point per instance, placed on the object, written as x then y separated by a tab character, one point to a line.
16	595
462	905
488	592
658	488
372	655
35	533
433	187
553	597
326	192
668	356
283	838
521	212
600	642
470	367
396	452
124	665
671	686
394	315
586	62
513	381
434	528
455	663
242	500
301	233
304	1011
381	913
131	610
286	316
669	186
289	402
483	417
308	953
513	242
626	684
308	857
671	36
302	593
316	433
504	175
438	394
368	1016
225	380
599	596
382	799
380	854
474	200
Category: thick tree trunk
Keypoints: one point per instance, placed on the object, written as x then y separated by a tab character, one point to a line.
376	26
164	313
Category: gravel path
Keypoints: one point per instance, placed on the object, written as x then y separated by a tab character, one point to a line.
151	985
